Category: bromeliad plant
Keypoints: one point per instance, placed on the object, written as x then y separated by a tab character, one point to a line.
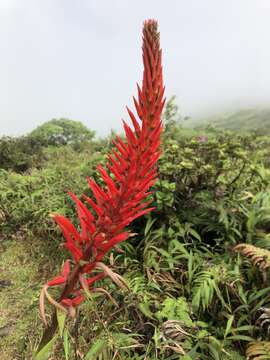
131	171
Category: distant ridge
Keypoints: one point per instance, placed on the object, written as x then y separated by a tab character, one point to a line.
242	120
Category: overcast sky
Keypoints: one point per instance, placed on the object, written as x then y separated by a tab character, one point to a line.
81	59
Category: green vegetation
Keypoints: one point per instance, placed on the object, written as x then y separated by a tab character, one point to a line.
58	132
195	292
20	154
25	152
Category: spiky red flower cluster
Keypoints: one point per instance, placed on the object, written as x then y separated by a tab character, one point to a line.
131	171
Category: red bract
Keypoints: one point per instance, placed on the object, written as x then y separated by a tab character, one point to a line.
63	278
129	174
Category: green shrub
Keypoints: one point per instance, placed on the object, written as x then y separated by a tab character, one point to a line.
59	132
19	154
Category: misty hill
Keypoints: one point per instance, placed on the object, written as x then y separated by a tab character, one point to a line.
244	120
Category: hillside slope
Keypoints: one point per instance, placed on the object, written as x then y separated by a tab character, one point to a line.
244	120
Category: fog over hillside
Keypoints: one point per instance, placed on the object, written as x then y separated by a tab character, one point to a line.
248	119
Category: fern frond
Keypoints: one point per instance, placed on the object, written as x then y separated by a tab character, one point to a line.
258	350
259	257
207	285
174	330
232	355
264	319
137	283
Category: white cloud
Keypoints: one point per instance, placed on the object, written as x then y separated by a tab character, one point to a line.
81	59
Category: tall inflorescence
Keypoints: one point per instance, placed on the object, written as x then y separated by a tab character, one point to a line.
130	172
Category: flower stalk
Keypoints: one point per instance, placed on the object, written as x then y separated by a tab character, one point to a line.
130	172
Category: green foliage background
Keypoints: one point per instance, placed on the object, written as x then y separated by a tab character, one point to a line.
192	296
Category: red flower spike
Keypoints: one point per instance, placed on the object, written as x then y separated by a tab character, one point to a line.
121	148
86	218
76	253
73	302
66	269
61	279
131	171
66	302
80	206
95	278
115	240
113	170
69	230
108	180
77	300
134	122
94	206
88	268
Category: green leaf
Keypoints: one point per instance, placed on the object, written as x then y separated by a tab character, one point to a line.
145	309
196	300
258	294
45	352
148	225
240	337
213	352
195	234
61	318
229	326
244	328
96	349
66	344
